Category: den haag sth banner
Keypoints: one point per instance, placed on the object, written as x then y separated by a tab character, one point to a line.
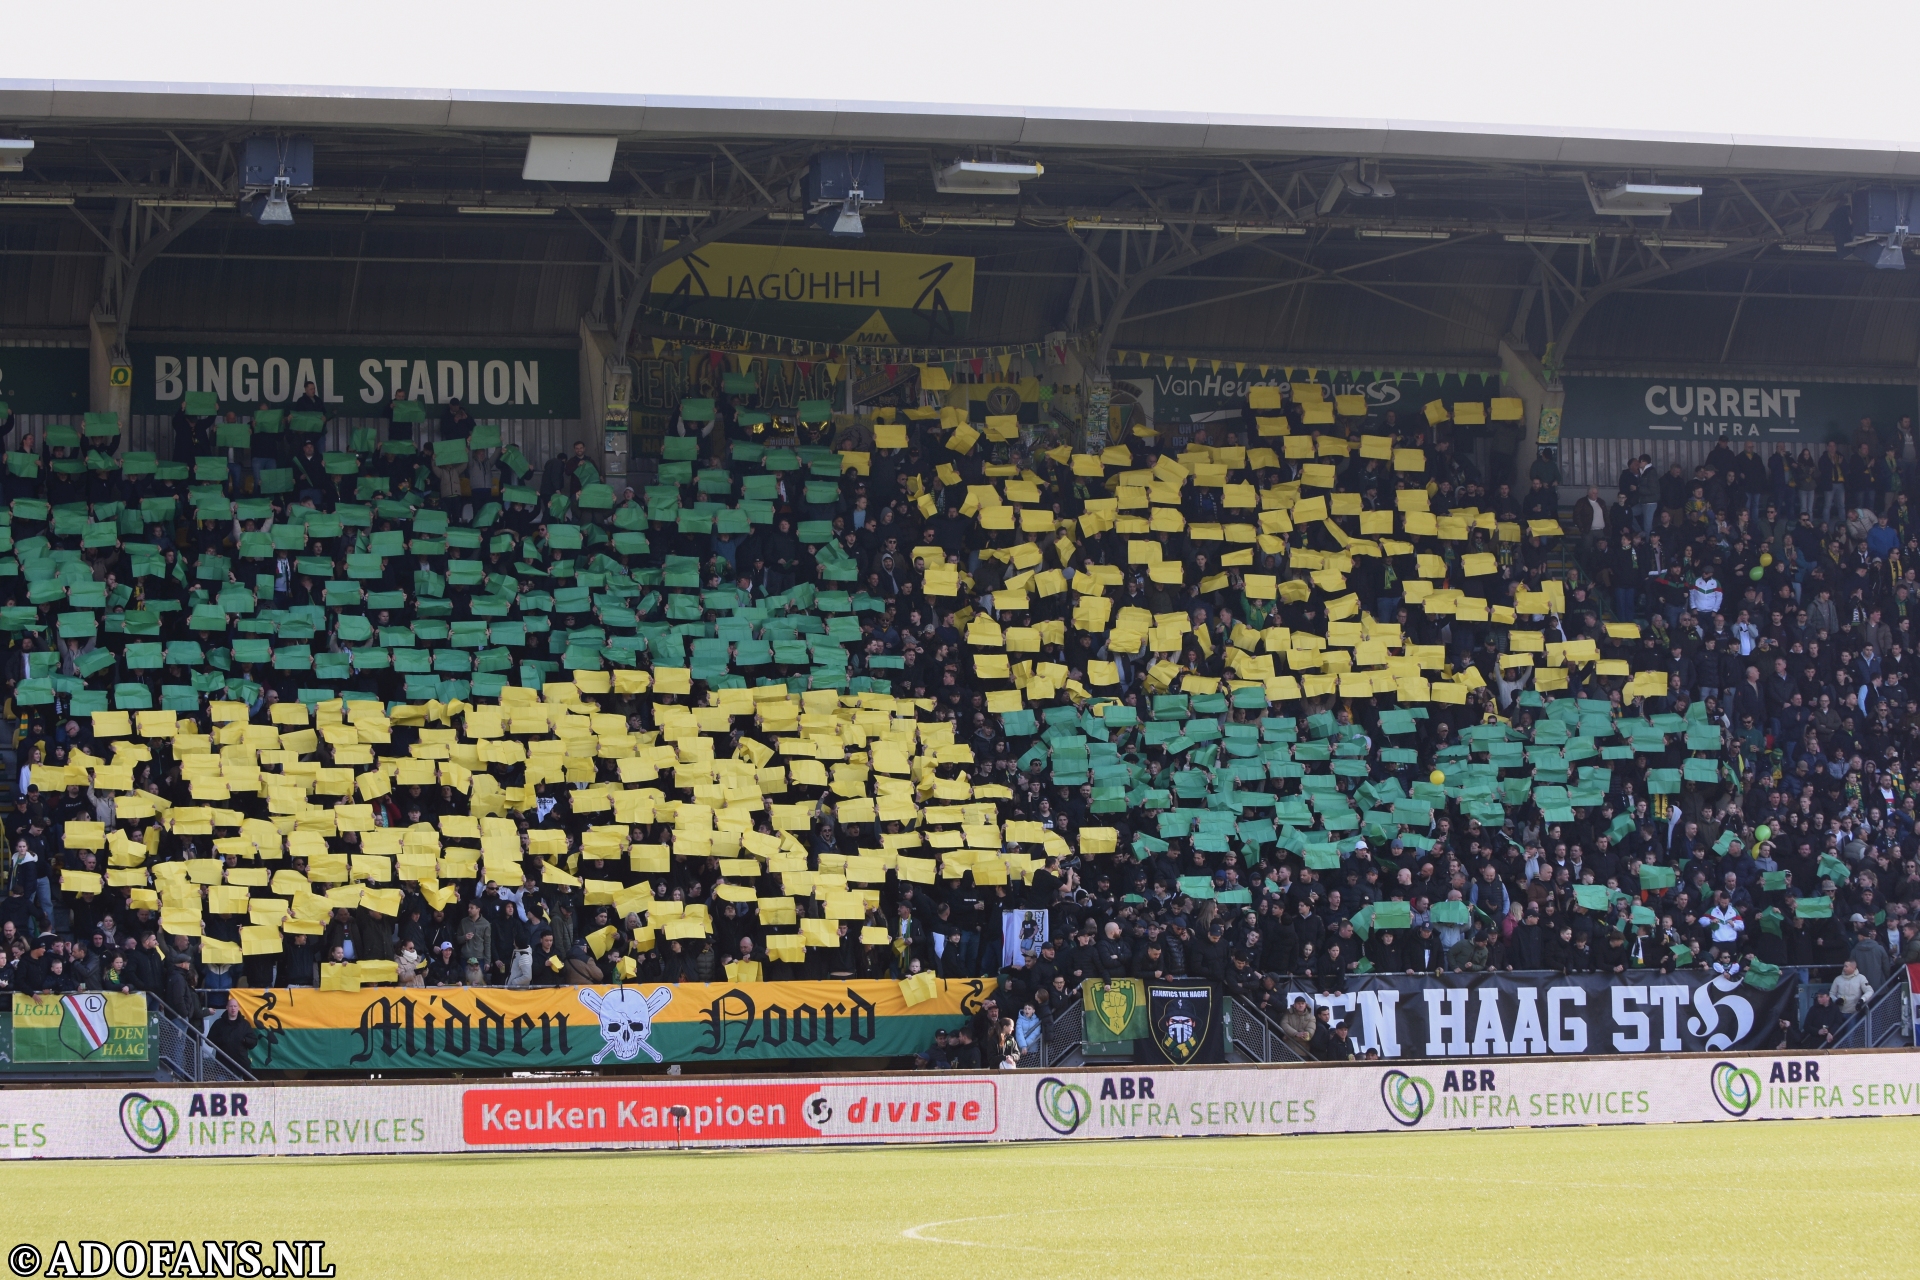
548	1028
255	1119
359	382
1493	1014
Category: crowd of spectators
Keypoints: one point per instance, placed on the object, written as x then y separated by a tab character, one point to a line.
1249	803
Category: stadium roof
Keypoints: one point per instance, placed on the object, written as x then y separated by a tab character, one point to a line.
665	116
1215	236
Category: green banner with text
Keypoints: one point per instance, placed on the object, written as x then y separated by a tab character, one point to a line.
360	381
544	1028
94	1027
1801	414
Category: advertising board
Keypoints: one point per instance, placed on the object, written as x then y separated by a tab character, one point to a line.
1016	1106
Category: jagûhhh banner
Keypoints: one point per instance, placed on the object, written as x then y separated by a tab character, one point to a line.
850	296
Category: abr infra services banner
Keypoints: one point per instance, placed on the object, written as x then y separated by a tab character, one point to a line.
296	1119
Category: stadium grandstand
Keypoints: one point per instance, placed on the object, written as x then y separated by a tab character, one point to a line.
507	583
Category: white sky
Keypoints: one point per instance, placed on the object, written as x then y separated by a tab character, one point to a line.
1762	68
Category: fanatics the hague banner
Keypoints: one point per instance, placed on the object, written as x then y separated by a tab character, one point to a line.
359	381
1182	1023
547	1028
1456	1015
850	296
252	1118
1800	414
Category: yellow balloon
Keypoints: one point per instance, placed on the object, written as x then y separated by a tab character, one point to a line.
1437	778
1766	559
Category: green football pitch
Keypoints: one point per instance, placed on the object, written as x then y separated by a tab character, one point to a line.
1774	1199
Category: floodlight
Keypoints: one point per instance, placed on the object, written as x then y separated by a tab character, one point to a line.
984	178
1638	199
560	159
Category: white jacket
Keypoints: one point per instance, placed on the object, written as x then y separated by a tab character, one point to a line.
1851	990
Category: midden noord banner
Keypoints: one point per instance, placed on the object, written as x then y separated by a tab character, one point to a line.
359	381
1477	1015
297	1119
443	1029
850	296
95	1027
1798	414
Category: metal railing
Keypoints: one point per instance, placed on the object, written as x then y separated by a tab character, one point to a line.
1885	1021
182	1051
1254	1036
1062	1038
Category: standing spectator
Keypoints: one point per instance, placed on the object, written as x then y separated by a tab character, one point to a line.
475	936
233	1035
1851	988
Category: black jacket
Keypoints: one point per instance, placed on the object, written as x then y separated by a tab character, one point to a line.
181	996
1820	1021
234	1037
1328	1047
372	936
312	471
299	967
1424	955
1207	958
